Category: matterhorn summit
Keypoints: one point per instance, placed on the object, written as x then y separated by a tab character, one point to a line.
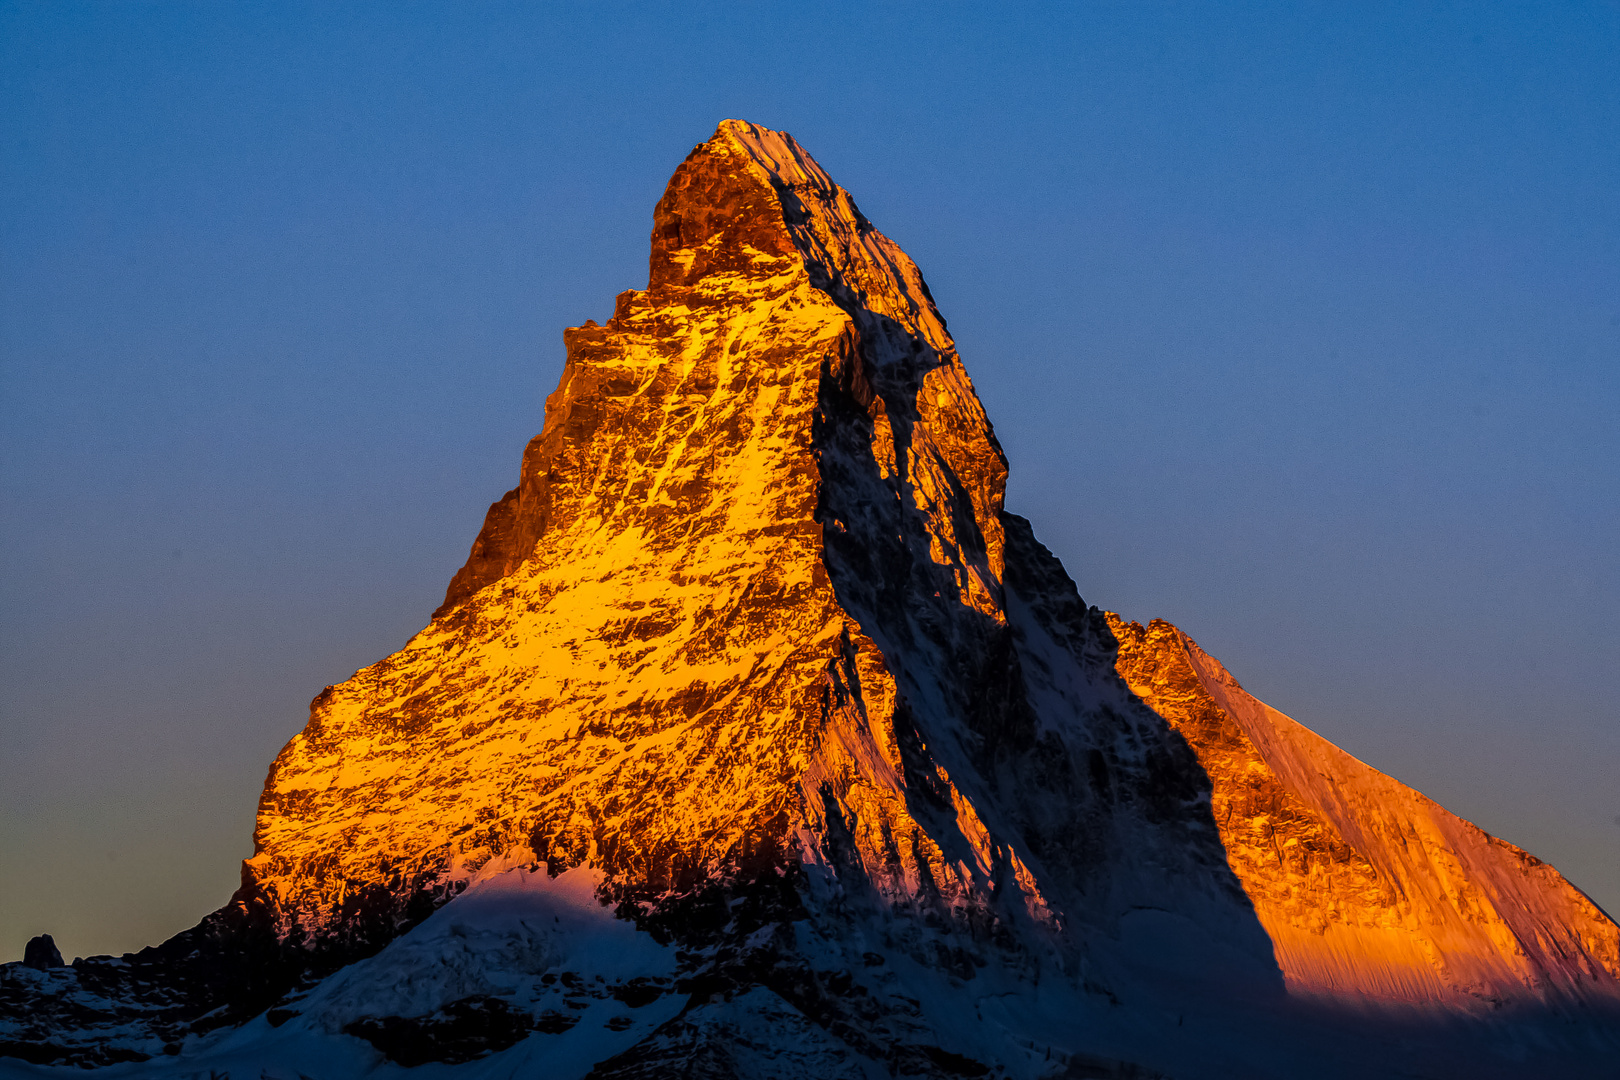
757	739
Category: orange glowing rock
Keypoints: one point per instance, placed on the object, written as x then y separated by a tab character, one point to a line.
643	665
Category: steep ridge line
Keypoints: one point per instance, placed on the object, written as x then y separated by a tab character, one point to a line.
1363	884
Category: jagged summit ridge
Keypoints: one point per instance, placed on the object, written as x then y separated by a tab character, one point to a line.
749	194
844	253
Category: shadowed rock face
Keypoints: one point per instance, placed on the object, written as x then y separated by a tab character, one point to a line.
754	654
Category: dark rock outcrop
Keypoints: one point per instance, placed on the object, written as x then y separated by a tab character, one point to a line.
41	953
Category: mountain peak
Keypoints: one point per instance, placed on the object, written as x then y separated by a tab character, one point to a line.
777	152
751	192
755	738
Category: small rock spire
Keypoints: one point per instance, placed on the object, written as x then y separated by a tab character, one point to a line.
41	953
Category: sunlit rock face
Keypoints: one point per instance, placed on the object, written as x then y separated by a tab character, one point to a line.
755	739
753	607
1364	885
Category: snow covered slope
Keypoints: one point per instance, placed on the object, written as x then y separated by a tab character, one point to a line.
525	975
1364	885
755	738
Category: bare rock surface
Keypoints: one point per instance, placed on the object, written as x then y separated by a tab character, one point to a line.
41	953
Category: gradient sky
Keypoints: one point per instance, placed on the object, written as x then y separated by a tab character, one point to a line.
1300	324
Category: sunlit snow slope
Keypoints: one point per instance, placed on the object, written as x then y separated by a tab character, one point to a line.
1363	884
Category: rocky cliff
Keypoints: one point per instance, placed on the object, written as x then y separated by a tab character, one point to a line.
746	611
756	738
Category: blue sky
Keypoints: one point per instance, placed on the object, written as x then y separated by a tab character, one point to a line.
1300	324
